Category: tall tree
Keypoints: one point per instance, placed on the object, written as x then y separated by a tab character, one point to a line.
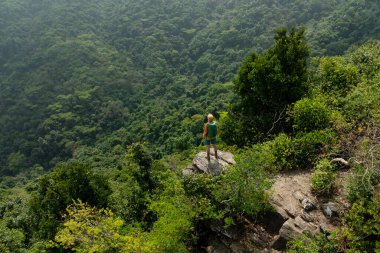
267	84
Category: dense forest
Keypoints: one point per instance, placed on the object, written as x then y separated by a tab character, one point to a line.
102	104
80	73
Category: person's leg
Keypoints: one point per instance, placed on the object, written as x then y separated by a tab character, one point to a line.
216	151
213	142
207	143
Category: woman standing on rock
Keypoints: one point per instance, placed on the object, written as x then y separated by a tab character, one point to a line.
209	135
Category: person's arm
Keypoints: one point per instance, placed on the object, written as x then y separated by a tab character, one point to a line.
205	131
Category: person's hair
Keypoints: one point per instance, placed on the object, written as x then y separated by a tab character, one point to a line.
210	116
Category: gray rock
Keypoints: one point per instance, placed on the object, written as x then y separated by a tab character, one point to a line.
330	209
215	166
299	196
289	231
307	205
272	221
291	211
327	211
217	246
188	172
218	227
237	247
294	228
227	157
278	243
323	229
307	217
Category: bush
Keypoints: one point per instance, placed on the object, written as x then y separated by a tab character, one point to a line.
172	208
310	115
302	151
337	76
320	243
366	176
361	184
367	58
363	102
323	178
308	147
199	188
244	188
231	128
283	152
361	232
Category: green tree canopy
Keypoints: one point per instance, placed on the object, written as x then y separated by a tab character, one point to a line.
268	83
59	189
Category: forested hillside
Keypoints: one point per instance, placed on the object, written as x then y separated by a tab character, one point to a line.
102	104
77	72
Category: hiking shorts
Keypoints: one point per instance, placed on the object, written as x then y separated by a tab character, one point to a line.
212	141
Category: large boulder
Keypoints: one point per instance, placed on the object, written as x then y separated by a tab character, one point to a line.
213	167
331	209
294	228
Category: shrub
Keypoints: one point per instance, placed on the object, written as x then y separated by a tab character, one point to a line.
302	151
244	188
11	240
310	115
320	243
367	58
283	152
309	146
172	208
361	232
199	188
338	121
231	128
361	184
366	176
337	76
363	102
323	178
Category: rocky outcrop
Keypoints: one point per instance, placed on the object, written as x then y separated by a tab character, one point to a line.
294	228
302	213
296	211
244	237
213	167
